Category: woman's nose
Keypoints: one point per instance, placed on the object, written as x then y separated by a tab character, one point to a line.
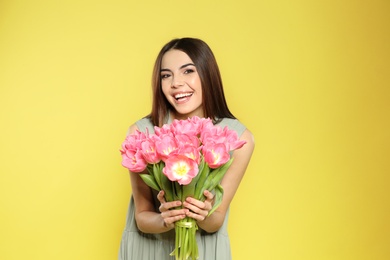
177	82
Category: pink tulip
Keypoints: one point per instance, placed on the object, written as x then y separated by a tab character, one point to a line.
211	134
232	140
133	141
166	146
149	152
184	127
164	130
201	123
215	155
190	151
133	160
131	155
181	169
184	139
222	136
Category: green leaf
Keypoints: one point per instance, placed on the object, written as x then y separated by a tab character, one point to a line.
218	174
218	198
178	190
189	189
166	186
157	173
150	181
203	173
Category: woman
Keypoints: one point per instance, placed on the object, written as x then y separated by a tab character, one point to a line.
186	83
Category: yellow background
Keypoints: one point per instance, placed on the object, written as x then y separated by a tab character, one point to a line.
310	79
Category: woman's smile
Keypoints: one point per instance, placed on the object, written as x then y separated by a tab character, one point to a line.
182	97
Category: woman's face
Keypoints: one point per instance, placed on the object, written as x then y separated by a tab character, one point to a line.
181	84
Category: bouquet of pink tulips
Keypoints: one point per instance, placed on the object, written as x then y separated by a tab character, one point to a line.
184	159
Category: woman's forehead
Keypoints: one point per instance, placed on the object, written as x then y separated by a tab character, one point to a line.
174	59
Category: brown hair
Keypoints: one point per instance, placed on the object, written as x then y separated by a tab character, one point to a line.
214	102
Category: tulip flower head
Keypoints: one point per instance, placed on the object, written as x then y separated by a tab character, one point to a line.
215	154
166	146
180	168
133	160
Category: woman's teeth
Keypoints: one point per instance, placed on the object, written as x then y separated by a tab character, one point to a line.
182	95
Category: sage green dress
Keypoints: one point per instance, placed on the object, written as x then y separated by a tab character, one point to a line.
136	245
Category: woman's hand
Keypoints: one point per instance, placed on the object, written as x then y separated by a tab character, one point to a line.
168	212
197	209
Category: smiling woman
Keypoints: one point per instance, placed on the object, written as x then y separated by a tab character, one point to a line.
198	59
181	84
186	83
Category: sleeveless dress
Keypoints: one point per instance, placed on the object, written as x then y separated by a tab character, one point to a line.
136	245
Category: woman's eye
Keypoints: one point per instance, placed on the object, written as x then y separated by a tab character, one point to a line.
188	71
164	76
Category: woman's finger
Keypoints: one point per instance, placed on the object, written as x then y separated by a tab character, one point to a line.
169	205
209	196
160	196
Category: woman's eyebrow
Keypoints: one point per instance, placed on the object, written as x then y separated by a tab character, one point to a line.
181	67
185	65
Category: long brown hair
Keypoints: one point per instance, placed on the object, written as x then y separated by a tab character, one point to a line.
213	98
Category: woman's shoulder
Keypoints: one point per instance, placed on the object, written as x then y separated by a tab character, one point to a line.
141	125
233	124
144	123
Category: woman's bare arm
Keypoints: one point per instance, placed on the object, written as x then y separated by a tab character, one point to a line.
230	183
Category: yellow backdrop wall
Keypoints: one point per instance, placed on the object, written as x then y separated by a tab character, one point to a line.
308	78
